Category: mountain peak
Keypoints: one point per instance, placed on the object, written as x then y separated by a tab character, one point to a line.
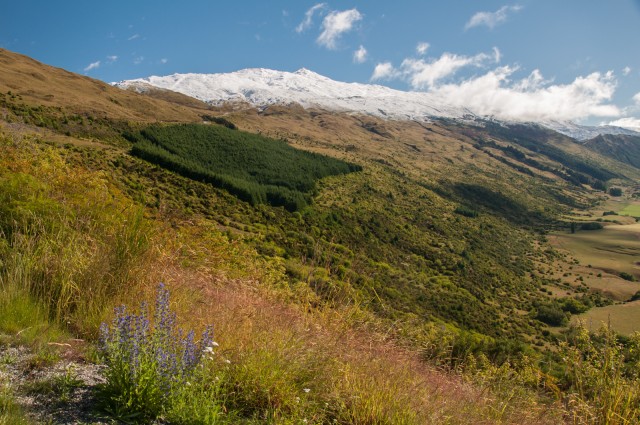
262	87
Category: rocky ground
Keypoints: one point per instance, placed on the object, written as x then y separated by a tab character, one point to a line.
54	386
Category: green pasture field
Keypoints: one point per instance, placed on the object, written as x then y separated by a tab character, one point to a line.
614	249
624	318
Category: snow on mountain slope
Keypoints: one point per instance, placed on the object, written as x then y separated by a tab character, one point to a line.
263	87
585	132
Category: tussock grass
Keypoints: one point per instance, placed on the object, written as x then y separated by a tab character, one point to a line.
280	364
71	242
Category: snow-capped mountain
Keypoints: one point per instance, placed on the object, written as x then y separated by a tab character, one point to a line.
585	132
263	87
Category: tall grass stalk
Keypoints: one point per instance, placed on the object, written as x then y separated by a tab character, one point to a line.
69	241
604	378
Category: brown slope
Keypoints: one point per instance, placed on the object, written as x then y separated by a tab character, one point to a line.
40	84
623	148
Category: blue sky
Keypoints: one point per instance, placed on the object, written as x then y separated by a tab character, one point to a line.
581	51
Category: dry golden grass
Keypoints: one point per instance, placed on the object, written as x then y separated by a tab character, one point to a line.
361	376
40	84
623	318
612	249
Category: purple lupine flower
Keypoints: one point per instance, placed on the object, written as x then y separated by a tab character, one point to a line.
131	343
189	357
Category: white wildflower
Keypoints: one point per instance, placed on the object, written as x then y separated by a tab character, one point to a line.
306	390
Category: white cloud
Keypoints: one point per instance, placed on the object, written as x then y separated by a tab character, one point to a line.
532	99
308	17
497	55
164	60
636	98
626	71
384	71
335	24
422	74
133	37
360	55
138	60
491	19
112	58
422	48
92	65
629	122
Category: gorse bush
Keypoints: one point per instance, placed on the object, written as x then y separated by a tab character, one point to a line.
150	362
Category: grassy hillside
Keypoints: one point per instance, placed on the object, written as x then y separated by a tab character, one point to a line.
420	289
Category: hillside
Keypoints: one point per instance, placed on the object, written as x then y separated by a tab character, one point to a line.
417	283
625	149
39	85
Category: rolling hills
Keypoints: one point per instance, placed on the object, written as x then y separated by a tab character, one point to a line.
421	244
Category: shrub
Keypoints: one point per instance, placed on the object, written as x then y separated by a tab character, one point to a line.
591	226
149	368
465	211
551	315
615	191
627	276
574	306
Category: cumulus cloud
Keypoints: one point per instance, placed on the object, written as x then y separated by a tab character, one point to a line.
384	71
138	60
164	60
308	17
626	71
112	58
92	65
629	122
491	19
360	55
423	74
335	24
636	98
422	48
532	99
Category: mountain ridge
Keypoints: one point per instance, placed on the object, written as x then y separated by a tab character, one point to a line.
261	87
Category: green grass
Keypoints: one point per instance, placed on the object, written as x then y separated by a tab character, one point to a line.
632	210
623	318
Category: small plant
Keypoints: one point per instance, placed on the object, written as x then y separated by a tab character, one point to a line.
60	386
10	411
149	365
